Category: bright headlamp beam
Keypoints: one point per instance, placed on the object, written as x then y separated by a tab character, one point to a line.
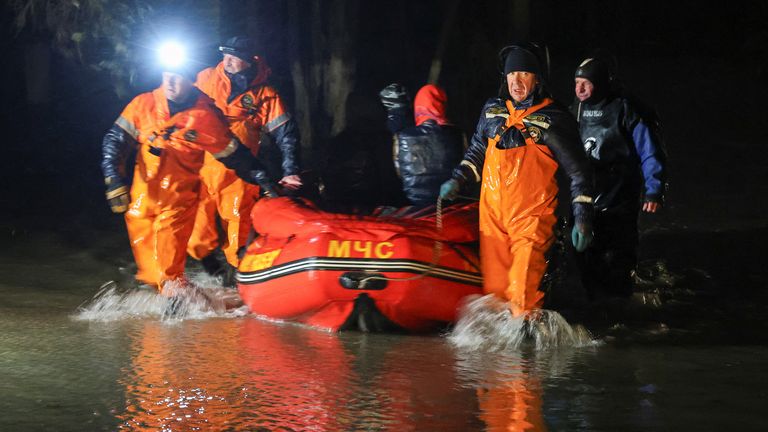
172	54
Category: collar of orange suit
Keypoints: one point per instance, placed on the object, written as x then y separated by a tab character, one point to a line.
262	71
162	107
166	122
516	114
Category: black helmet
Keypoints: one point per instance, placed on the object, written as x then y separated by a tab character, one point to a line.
596	70
241	47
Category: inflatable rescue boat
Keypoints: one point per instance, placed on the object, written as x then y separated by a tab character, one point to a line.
396	270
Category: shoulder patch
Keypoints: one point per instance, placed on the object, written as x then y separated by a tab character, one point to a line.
538	120
534	132
190	135
247	100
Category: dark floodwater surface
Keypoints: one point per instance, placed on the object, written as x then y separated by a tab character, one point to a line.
63	371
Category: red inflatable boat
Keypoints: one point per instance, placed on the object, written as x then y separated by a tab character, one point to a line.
394	270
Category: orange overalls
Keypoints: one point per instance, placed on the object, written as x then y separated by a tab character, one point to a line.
166	178
512	402
260	107
517	215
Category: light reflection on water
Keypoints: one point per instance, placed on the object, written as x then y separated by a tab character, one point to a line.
232	375
59	372
241	373
218	376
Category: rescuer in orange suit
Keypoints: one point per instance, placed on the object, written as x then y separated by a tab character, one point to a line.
238	85
520	141
172	128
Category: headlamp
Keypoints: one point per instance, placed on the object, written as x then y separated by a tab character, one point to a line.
172	54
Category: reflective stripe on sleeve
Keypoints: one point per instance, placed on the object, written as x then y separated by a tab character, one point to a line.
583	199
127	126
276	122
472	167
228	150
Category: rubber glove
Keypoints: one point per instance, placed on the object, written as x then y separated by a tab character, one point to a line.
394	96
117	195
449	190
582	234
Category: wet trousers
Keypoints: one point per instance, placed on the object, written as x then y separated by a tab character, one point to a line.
233	204
513	259
606	266
158	238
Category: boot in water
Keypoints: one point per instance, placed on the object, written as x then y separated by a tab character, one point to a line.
212	265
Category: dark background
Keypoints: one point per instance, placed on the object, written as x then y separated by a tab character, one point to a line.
703	68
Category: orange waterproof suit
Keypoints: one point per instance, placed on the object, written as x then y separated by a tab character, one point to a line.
259	108
518	148
166	179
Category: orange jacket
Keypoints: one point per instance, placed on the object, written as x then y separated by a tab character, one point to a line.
171	149
257	109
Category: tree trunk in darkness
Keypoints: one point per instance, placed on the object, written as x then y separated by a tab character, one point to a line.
37	70
323	65
341	66
300	82
521	19
445	32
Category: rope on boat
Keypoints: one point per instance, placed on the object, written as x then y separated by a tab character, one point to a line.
437	250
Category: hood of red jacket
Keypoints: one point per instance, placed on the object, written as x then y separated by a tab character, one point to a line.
429	104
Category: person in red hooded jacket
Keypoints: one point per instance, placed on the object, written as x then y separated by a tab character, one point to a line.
238	85
425	152
173	128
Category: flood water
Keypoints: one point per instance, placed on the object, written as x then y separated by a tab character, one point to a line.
686	359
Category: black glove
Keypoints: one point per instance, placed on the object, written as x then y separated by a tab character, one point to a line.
117	194
394	96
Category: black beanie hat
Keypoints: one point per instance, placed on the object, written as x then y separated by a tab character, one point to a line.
595	70
241	47
521	60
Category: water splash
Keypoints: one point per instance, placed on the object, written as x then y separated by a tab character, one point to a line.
486	323
180	301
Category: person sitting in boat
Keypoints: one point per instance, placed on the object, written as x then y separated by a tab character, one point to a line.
521	139
238	85
172	128
425	152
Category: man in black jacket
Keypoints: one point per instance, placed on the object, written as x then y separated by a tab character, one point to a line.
624	148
